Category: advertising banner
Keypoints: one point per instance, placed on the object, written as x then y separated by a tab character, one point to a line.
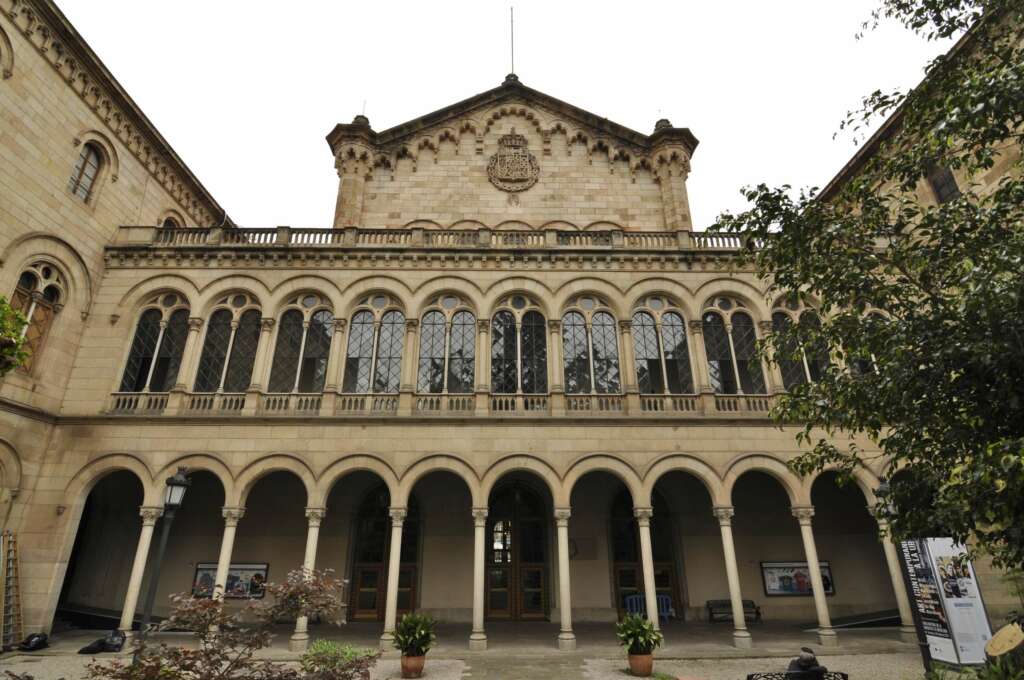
928	612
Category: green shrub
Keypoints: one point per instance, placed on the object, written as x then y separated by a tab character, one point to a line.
12	345
333	659
414	634
637	634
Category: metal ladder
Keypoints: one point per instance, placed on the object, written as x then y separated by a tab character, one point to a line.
10	627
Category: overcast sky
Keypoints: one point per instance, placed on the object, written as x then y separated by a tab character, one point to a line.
246	91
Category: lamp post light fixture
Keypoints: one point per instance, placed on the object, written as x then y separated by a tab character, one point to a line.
174	494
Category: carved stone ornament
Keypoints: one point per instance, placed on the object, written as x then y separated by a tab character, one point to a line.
513	168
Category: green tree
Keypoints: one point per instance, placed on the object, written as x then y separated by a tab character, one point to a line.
936	378
12	345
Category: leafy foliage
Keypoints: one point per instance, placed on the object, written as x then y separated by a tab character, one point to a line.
414	634
637	634
226	648
922	302
12	345
331	660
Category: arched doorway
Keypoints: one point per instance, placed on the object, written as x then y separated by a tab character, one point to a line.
517	554
626	561
370	557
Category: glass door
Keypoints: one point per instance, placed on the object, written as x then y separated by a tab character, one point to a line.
517	555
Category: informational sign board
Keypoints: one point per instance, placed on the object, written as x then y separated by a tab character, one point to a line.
948	608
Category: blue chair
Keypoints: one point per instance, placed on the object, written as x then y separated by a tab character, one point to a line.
637	604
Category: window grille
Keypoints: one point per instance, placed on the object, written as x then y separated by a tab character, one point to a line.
678	376
943	184
661	351
39	295
504	363
534	354
575	354
605	350
647	354
462	353
388	371
157	347
86	169
359	357
286	352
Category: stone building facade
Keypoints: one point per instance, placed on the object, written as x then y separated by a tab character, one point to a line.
510	382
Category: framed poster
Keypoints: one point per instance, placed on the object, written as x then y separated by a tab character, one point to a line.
244	582
792	579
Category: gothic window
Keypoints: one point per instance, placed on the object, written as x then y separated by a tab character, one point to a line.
661	351
943	184
447	348
39	295
519	354
590	349
170	223
303	345
730	341
229	349
797	364
373	361
83	176
155	355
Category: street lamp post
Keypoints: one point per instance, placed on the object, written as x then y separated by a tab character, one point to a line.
174	494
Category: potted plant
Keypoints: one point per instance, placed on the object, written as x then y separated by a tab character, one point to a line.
414	636
637	634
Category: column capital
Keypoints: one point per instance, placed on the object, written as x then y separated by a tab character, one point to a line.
479	517
562	516
483	325
397	516
803	514
765	327
315	516
266	323
232	515
724	514
194	324
411	324
150	514
696	326
643	515
339	325
625	325
554	325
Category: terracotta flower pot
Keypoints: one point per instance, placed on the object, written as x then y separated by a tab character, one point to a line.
641	665
412	666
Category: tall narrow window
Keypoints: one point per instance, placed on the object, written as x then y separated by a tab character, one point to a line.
733	366
156	352
373	361
229	347
660	348
39	295
86	169
798	364
447	348
943	184
303	345
590	349
518	348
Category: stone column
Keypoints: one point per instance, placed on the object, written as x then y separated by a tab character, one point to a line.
772	371
701	373
629	383
227	546
740	634
826	635
299	641
478	638
189	356
643	521
908	632
336	362
483	366
131	599
566	638
264	355
410	361
556	368
394	562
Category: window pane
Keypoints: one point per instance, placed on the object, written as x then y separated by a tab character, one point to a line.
648	355
243	352
431	368
534	350
215	351
388	372
575	354
462	353
677	354
716	343
359	355
605	346
141	355
744	341
788	354
313	371
168	355
286	352
504	373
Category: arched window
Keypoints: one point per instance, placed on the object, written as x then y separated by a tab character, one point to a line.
590	350
229	351
797	364
86	169
447	348
303	345
155	356
519	351
733	366
170	223
660	348
373	361
39	295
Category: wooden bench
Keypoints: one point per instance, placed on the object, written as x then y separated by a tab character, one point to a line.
721	610
798	675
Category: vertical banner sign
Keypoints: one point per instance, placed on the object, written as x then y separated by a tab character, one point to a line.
961	597
947	601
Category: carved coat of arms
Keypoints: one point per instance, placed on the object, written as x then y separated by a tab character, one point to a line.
513	168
